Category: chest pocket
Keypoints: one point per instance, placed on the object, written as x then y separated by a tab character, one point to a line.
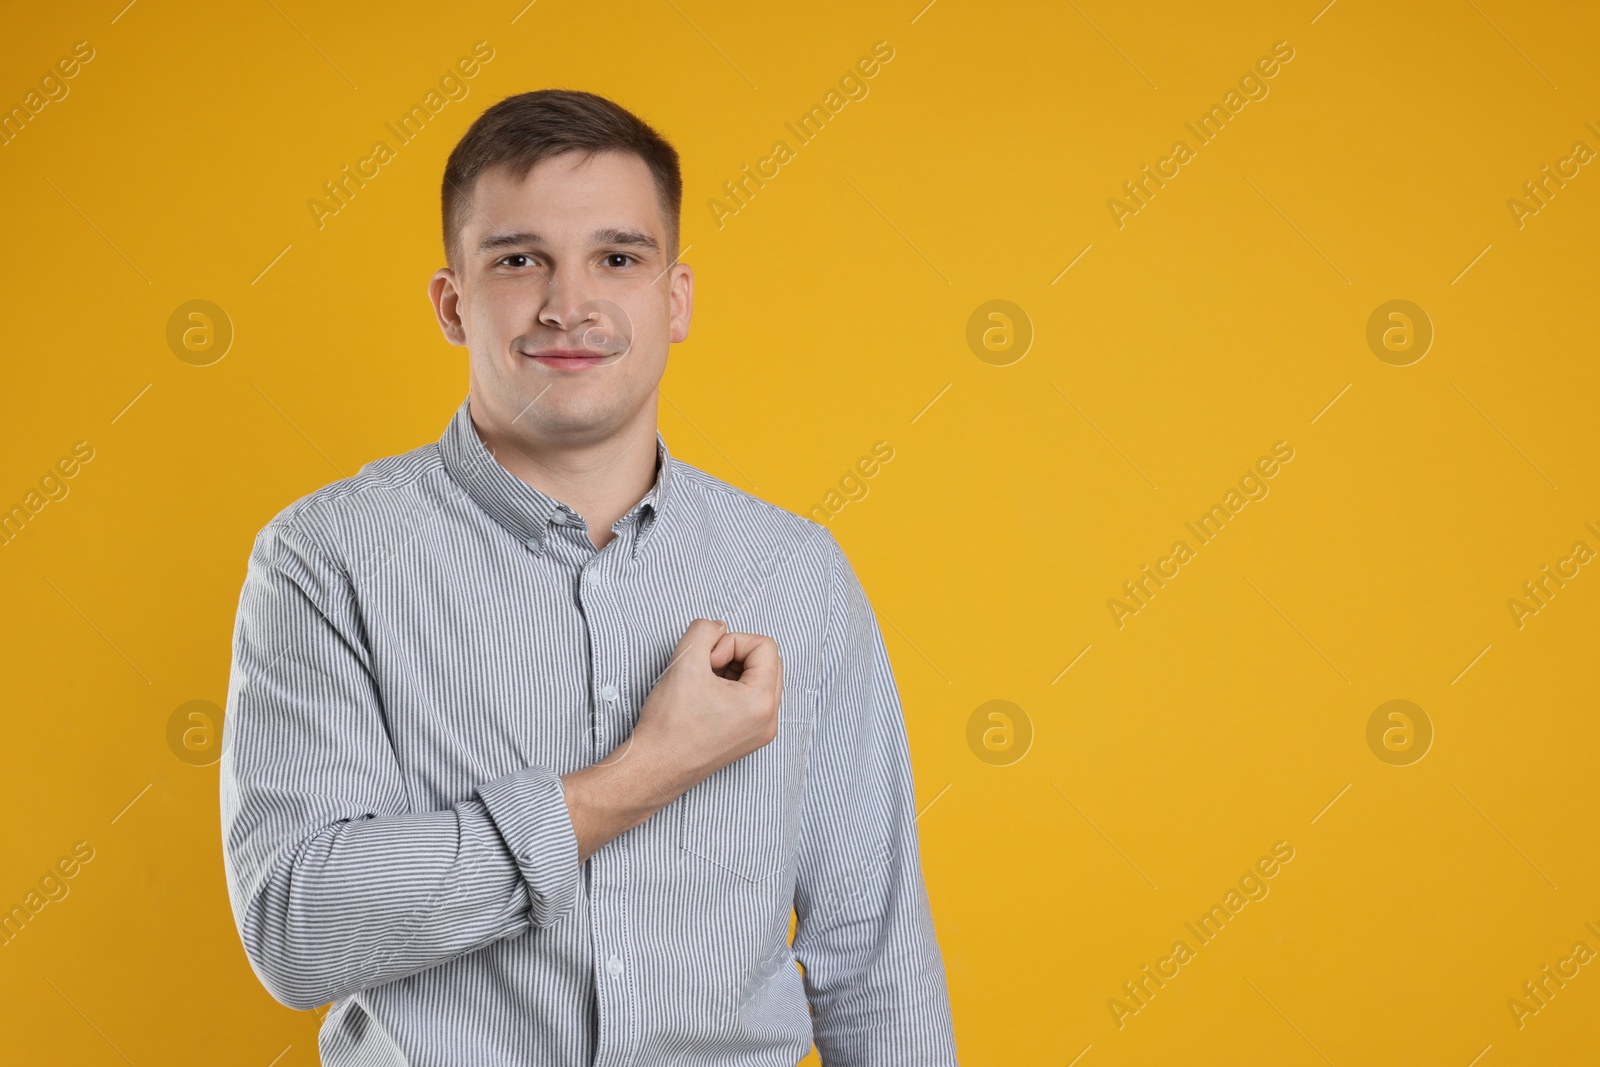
745	817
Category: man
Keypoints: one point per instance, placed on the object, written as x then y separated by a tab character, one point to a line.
538	737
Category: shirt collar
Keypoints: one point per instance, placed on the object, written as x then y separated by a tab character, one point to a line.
523	511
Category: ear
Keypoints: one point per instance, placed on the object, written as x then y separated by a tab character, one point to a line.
445	294
680	283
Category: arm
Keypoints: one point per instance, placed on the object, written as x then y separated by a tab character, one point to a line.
864	930
336	884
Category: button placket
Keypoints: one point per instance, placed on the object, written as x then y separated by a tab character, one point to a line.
612	936
609	866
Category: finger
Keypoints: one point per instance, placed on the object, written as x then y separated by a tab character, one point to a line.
725	651
698	639
759	655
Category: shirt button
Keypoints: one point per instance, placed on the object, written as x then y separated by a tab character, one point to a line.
614	965
558	517
608	691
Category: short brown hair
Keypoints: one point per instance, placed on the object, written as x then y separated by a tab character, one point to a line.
524	129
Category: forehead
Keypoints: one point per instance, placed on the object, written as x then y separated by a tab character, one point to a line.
565	196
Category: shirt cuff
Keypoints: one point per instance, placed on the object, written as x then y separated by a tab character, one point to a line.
529	808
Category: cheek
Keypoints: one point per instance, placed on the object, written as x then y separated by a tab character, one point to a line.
495	323
648	321
644	364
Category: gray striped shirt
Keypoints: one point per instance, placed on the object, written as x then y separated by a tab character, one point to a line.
421	650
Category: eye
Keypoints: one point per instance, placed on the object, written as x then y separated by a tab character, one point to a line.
514	255
619	255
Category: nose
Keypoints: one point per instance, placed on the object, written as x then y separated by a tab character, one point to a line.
565	299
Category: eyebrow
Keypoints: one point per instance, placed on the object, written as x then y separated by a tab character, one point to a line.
607	236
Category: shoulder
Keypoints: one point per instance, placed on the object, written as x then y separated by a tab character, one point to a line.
345	518
747	518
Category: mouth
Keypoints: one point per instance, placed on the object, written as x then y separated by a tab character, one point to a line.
569	359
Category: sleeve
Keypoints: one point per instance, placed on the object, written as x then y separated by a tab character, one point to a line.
336	885
864	930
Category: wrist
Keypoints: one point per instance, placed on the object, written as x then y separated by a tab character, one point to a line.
637	776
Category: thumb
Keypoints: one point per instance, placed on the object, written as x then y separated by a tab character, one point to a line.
698	640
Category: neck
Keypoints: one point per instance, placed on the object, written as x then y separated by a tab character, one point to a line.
601	479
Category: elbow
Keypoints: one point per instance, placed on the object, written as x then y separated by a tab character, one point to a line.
294	995
281	942
292	977
288	959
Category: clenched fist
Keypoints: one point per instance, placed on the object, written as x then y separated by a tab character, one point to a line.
716	702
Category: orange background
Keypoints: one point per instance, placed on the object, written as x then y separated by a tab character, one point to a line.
1068	841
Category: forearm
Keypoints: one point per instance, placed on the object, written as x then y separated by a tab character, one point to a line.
366	901
905	1025
619	792
874	973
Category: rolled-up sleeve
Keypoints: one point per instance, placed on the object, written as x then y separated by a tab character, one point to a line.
864	931
336	884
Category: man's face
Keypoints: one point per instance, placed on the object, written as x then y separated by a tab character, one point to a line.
564	299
